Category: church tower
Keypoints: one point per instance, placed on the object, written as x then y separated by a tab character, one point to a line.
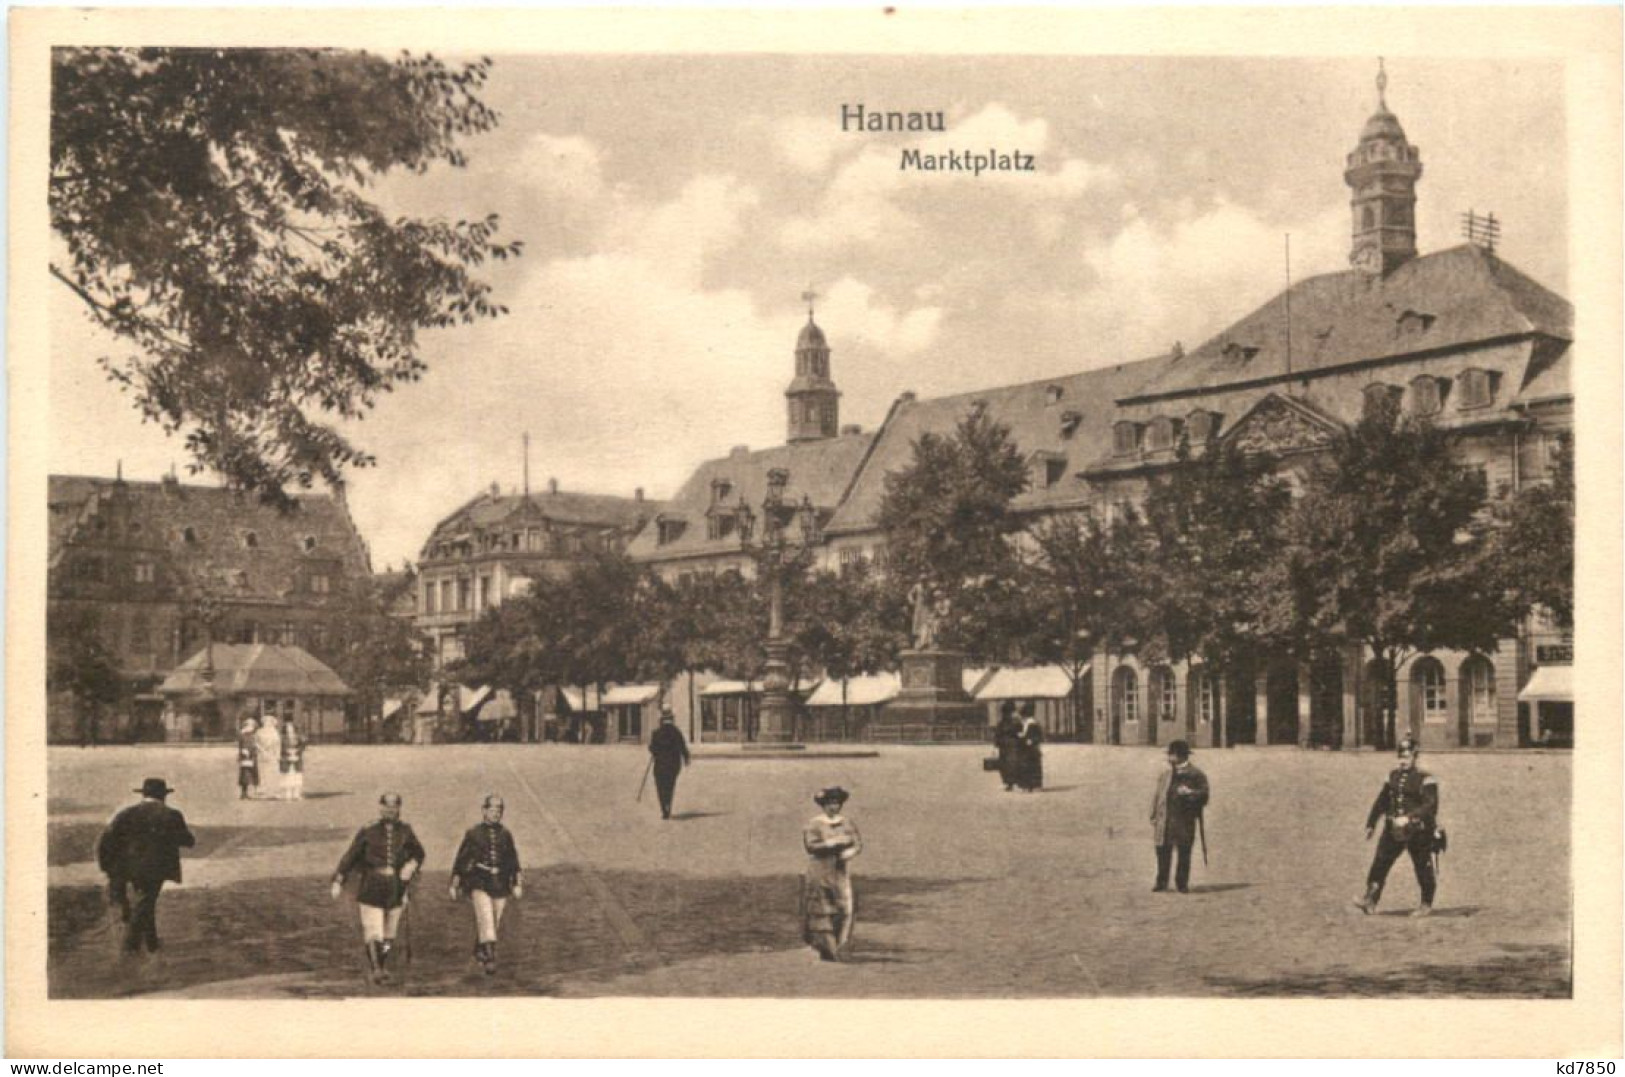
815	403
1382	173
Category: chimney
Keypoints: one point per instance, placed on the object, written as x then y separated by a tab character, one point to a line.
852	428
340	494
739	450
552	486
907	397
637	495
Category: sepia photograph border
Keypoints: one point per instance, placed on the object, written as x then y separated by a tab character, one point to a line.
1584	40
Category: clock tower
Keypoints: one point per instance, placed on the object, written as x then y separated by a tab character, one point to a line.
814	402
1382	173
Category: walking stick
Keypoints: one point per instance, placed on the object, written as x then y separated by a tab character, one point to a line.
1201	828
645	780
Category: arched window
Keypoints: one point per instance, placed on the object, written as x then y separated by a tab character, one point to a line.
1125	694
1478	689
1425	395
1427	687
1368	219
1163	705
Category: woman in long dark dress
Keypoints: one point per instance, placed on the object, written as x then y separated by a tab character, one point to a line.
1029	751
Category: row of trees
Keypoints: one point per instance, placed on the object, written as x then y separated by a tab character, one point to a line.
1386	540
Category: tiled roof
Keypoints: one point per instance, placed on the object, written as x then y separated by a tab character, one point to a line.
1039	414
254	669
238	547
819	470
1442	301
565	507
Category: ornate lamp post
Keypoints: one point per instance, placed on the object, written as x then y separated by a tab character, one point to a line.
776	556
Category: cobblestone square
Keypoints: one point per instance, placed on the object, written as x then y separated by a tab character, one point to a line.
964	890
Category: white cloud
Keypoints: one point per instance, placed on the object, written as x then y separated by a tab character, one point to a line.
566	167
1197	274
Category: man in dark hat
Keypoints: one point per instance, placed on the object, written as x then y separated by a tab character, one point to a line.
387	855
141	849
1408	807
669	752
1176	812
831	840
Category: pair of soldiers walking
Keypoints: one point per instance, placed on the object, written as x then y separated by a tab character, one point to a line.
387	857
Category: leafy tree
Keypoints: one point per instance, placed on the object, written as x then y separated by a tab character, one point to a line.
1388	546
1216	526
1086	591
82	665
949	526
374	652
1532	553
852	623
212	214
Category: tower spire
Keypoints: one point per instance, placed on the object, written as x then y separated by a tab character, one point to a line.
1382	85
814	402
1382	173
808	297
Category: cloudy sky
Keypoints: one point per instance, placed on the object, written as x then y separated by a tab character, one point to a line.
675	208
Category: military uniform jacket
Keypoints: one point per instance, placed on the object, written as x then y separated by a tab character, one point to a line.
1182	794
487	860
293	746
668	747
144	842
1412	794
380	850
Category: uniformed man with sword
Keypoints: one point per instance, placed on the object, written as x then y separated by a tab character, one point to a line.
388	856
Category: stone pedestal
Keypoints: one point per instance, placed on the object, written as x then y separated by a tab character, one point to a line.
933	691
775	722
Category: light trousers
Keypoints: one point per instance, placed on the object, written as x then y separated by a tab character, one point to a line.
378	924
487	914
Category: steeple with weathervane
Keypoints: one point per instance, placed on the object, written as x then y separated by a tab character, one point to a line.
815	403
1382	173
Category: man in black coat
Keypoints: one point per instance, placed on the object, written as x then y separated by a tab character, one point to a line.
141	849
670	754
1408	808
1176	814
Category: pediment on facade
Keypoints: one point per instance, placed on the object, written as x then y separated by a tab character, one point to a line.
1281	425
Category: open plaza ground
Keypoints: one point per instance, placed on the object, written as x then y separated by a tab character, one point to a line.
964	890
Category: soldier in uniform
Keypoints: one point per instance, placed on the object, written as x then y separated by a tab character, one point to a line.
487	870
141	849
387	855
1408	807
1176	812
248	771
831	840
670	752
293	761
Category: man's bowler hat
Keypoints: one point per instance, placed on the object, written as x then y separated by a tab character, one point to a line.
666	714
1179	749
154	787
834	793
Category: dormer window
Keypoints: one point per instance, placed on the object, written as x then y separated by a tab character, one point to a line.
1047	468
1237	352
1161	434
1201	426
1425	394
1125	438
251	540
1069	422
1476	389
668	530
1415	321
720	489
1052	394
308	544
189	536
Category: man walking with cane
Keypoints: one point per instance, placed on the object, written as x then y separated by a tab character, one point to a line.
668	754
388	855
1176	815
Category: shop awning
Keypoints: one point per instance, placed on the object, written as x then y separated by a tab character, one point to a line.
1037	682
1552	684
498	707
864	691
592	701
730	688
972	679
628	694
391	706
469	698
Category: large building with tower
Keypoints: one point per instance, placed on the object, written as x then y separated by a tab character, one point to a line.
1459	336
